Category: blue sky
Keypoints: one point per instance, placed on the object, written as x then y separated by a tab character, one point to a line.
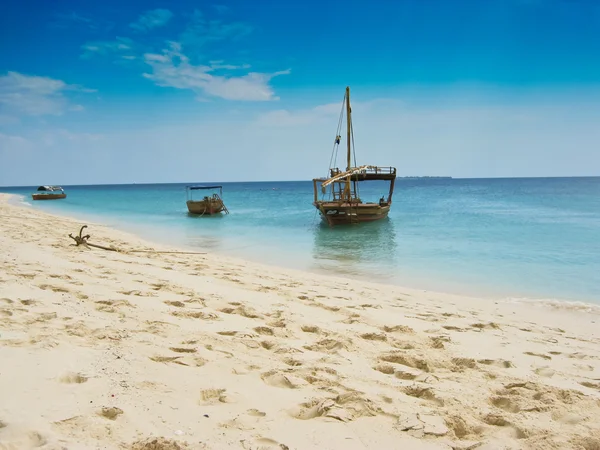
151	91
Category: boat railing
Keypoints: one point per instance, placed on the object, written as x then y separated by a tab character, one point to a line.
368	170
380	170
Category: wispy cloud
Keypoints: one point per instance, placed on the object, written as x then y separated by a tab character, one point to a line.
200	31
55	137
121	46
73	19
154	18
222	9
326	113
172	68
36	96
8	120
12	143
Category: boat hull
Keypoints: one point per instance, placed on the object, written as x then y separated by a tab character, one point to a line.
203	207
48	196
335	213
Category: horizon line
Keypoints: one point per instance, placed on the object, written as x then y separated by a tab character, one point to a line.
446	177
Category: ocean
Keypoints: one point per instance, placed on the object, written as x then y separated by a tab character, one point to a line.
536	238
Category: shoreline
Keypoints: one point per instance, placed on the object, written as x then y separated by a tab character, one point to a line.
118	350
424	285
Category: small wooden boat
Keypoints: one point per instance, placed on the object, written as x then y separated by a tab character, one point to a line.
209	205
49	193
344	205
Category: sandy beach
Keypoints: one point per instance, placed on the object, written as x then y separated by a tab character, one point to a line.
146	350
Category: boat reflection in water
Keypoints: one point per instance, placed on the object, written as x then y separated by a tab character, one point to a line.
368	250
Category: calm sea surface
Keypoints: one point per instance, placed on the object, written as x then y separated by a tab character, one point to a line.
519	238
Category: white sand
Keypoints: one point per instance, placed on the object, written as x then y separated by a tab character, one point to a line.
117	350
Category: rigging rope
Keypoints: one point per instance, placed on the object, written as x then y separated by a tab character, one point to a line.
354	154
336	146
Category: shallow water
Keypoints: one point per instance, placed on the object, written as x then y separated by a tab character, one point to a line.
533	238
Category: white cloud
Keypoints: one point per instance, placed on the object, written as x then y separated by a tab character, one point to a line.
8	120
120	45
173	69
11	143
326	113
35	95
200	31
149	20
59	137
73	19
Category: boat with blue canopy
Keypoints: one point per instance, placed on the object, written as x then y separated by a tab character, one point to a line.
210	204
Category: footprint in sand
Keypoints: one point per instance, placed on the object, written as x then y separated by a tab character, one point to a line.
406	360
274	347
496	363
73	378
328	346
280	380
110	412
227	333
187	361
486	326
28	302
463	363
545	372
590	384
423	393
438	342
292	362
311	329
326	307
242	311
420	425
499	421
195	315
539	355
345	407
381	337
387	369
261	443
182	350
111	306
507	404
256	413
46	287
161	443
25	440
265	331
177	304
279	323
214	396
164	359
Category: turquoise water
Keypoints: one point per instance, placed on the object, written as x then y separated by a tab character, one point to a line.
522	238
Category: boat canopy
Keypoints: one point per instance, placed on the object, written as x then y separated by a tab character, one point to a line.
49	188
361	169
195	188
361	173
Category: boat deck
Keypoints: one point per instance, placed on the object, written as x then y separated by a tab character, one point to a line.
370	173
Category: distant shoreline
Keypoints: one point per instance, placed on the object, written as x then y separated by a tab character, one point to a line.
308	181
425	176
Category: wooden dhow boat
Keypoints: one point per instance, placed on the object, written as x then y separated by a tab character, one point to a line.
49	193
210	204
344	205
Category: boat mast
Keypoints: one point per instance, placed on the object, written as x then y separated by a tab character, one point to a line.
348	140
348	124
